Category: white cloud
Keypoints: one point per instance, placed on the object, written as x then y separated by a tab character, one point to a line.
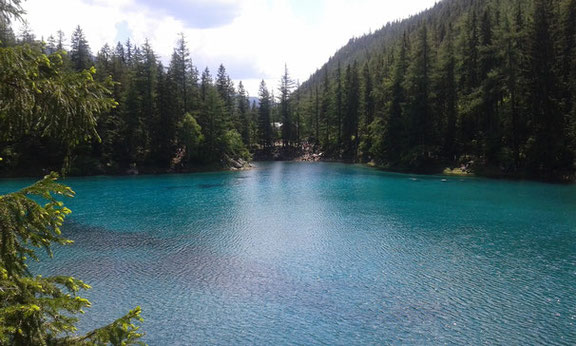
259	39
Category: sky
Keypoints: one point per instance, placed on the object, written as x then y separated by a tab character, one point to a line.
254	39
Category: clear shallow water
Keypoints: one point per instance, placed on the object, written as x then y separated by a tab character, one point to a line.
299	253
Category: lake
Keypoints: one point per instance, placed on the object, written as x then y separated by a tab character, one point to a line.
325	253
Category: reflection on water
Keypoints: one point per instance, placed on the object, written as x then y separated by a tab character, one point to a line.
299	253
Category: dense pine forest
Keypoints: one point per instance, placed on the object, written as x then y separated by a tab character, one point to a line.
165	119
480	86
485	87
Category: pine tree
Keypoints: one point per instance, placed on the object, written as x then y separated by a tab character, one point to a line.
129	52
286	86
184	76
547	154
205	83
394	135
80	54
244	115
350	119
225	88
297	115
60	41
447	95
469	74
214	114
316	98
420	120
489	91
338	105
367	110
163	137
469	83
325	109
514	73
264	117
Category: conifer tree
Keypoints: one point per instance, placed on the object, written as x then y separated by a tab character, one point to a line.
547	154
213	112
420	120
80	54
225	88
264	117
394	140
184	76
514	78
297	115
244	115
325	109
205	83
351	112
286	86
568	61
447	95
60	41
316	106
338	106
489	91
367	111
166	125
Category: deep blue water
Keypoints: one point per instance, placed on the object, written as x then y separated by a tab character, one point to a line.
300	253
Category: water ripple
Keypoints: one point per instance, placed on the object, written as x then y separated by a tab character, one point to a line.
296	253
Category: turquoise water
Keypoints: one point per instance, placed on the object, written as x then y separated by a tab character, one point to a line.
300	253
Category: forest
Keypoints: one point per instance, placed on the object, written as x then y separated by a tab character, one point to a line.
163	118
481	86
485	87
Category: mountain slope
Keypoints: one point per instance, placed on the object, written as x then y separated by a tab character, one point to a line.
487	86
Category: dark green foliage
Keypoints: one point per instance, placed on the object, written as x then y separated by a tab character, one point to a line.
80	54
212	117
265	117
325	113
144	131
547	147
225	88
420	122
288	126
245	116
351	115
37	98
367	109
446	96
484	84
393	129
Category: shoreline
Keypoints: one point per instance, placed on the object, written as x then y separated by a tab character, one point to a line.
248	165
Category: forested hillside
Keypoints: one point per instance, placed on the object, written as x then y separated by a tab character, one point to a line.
484	85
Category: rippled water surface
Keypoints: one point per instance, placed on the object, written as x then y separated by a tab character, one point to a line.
298	253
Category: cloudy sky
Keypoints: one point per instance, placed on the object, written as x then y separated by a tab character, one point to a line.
252	38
